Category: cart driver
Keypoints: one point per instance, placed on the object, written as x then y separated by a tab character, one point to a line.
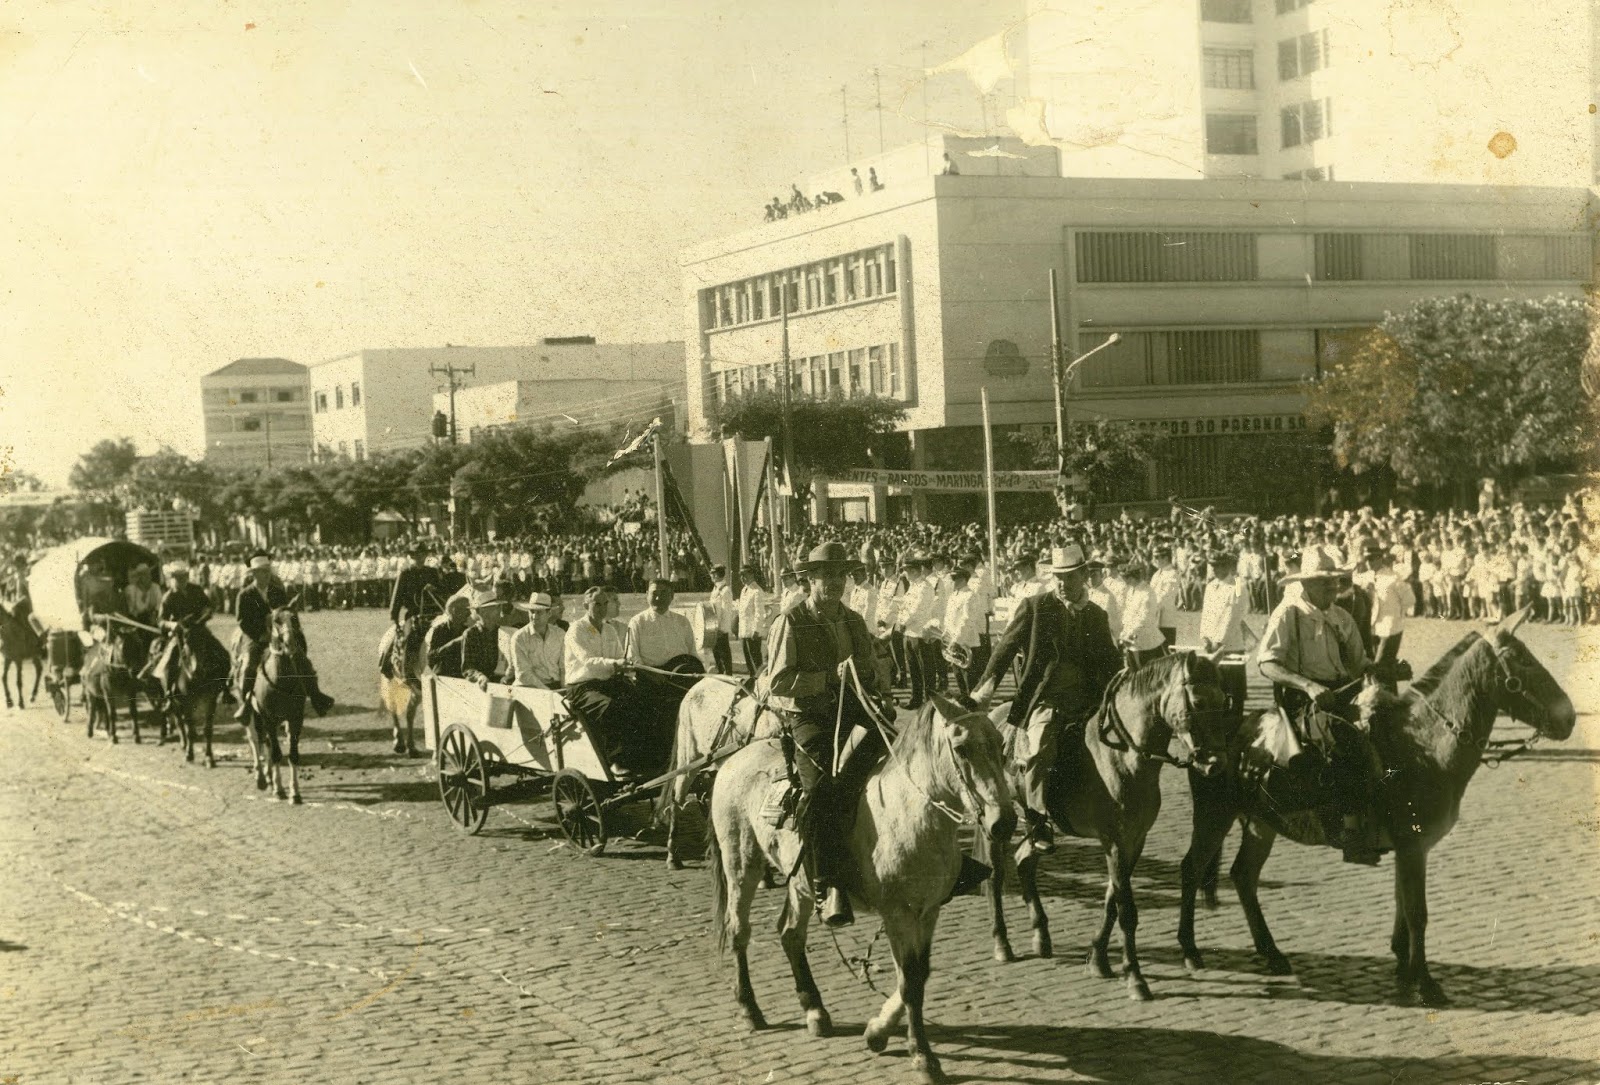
596	665
1312	653
820	648
100	598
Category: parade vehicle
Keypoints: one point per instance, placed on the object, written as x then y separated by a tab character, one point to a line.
495	743
56	588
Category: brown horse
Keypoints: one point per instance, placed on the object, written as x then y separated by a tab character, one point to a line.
1106	785
1431	742
402	656
19	643
281	691
109	676
198	676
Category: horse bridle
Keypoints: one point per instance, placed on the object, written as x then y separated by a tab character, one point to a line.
1114	719
1493	752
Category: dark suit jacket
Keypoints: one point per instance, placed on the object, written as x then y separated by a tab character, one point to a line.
1068	658
409	597
254	610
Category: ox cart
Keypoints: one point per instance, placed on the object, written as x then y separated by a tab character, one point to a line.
56	586
491	745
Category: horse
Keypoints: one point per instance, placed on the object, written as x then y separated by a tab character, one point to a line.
109	675
19	643
716	713
1430	742
400	681
1106	785
280	698
197	681
946	764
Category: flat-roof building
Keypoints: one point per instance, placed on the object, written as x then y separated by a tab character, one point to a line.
1230	297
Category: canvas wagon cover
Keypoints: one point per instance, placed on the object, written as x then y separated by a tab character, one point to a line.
53	579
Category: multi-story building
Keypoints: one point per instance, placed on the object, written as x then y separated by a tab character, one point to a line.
374	401
1350	90
1230	296
257	413
563	402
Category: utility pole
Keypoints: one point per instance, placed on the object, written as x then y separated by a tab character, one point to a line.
450	371
788	387
1056	362
664	552
877	86
266	424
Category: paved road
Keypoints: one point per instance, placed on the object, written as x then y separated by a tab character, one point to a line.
162	922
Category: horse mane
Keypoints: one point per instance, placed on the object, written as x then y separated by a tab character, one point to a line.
1151	678
1435	674
915	734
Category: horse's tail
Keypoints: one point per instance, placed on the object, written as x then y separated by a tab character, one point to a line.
671	794
719	886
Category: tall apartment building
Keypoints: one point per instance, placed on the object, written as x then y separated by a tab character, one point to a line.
374	401
1351	90
1230	297
257	413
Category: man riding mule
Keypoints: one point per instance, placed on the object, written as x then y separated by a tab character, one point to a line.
1070	660
253	608
822	661
1312	653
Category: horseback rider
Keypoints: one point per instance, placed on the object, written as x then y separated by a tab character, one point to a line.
253	608
415	600
815	645
1312	654
184	605
1071	659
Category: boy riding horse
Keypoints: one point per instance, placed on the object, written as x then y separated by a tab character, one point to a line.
256	601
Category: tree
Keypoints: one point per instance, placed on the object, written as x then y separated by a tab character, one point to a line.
1109	458
524	473
831	435
1457	388
105	467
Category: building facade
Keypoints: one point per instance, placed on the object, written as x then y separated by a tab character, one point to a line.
1229	296
257	413
1352	90
565	402
375	401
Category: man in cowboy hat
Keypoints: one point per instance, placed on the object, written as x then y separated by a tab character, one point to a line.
1311	652
536	648
253	608
184	604
815	647
467	645
1070	660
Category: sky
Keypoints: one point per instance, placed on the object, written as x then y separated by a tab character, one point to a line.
183	184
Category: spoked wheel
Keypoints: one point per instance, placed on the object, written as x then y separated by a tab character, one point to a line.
578	812
463	779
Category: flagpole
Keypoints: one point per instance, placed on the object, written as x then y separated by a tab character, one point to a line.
988	483
661	508
773	531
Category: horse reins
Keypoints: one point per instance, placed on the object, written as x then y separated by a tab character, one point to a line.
1114	722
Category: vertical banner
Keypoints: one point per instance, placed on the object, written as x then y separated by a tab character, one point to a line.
988	486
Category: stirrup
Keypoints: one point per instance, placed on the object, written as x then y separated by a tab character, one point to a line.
836	910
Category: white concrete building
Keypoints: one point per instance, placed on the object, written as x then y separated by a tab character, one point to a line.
257	413
1230	295
374	401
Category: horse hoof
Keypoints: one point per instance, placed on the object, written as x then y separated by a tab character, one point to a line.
115	741
1002	952
1139	990
754	1020
877	1040
399	747
1100	966
674	863
1193	962
1042	946
1278	964
211	762
189	757
1430	994
928	1067
819	1024
1208	900
295	798
280	795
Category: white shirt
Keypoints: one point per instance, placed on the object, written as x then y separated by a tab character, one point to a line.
923	609
654	638
721	601
963	613
1142	609
589	654
1392	600
791	596
757	607
536	660
1108	603
1164	582
1222	614
863	599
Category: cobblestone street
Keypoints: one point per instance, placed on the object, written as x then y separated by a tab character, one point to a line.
164	922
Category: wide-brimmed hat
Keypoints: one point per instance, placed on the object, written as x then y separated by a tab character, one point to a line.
482	597
1066	559
176	567
1316	564
537	601
830	556
260	561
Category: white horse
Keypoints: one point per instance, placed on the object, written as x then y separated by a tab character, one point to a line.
945	765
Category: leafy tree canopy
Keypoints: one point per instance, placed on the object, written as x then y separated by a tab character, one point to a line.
831	435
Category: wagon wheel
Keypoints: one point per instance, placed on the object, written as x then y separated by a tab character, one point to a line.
463	779
578	812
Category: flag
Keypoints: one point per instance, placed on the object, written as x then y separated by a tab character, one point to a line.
637	443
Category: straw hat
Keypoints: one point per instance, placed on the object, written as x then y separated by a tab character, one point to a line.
537	601
1066	559
1316	564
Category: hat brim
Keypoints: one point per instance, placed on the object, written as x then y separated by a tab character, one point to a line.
805	568
531	607
1058	570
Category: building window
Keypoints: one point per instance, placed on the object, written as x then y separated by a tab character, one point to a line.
355	396
888	270
338	397
852	277
1155	257
1231	133
1231	69
1306	122
1302	55
283	395
830	283
1286	6
360	449
857	376
1225	11
321	402
249	425
1452	256
247	397
344	447
1209	356
836	372
758	298
896	387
